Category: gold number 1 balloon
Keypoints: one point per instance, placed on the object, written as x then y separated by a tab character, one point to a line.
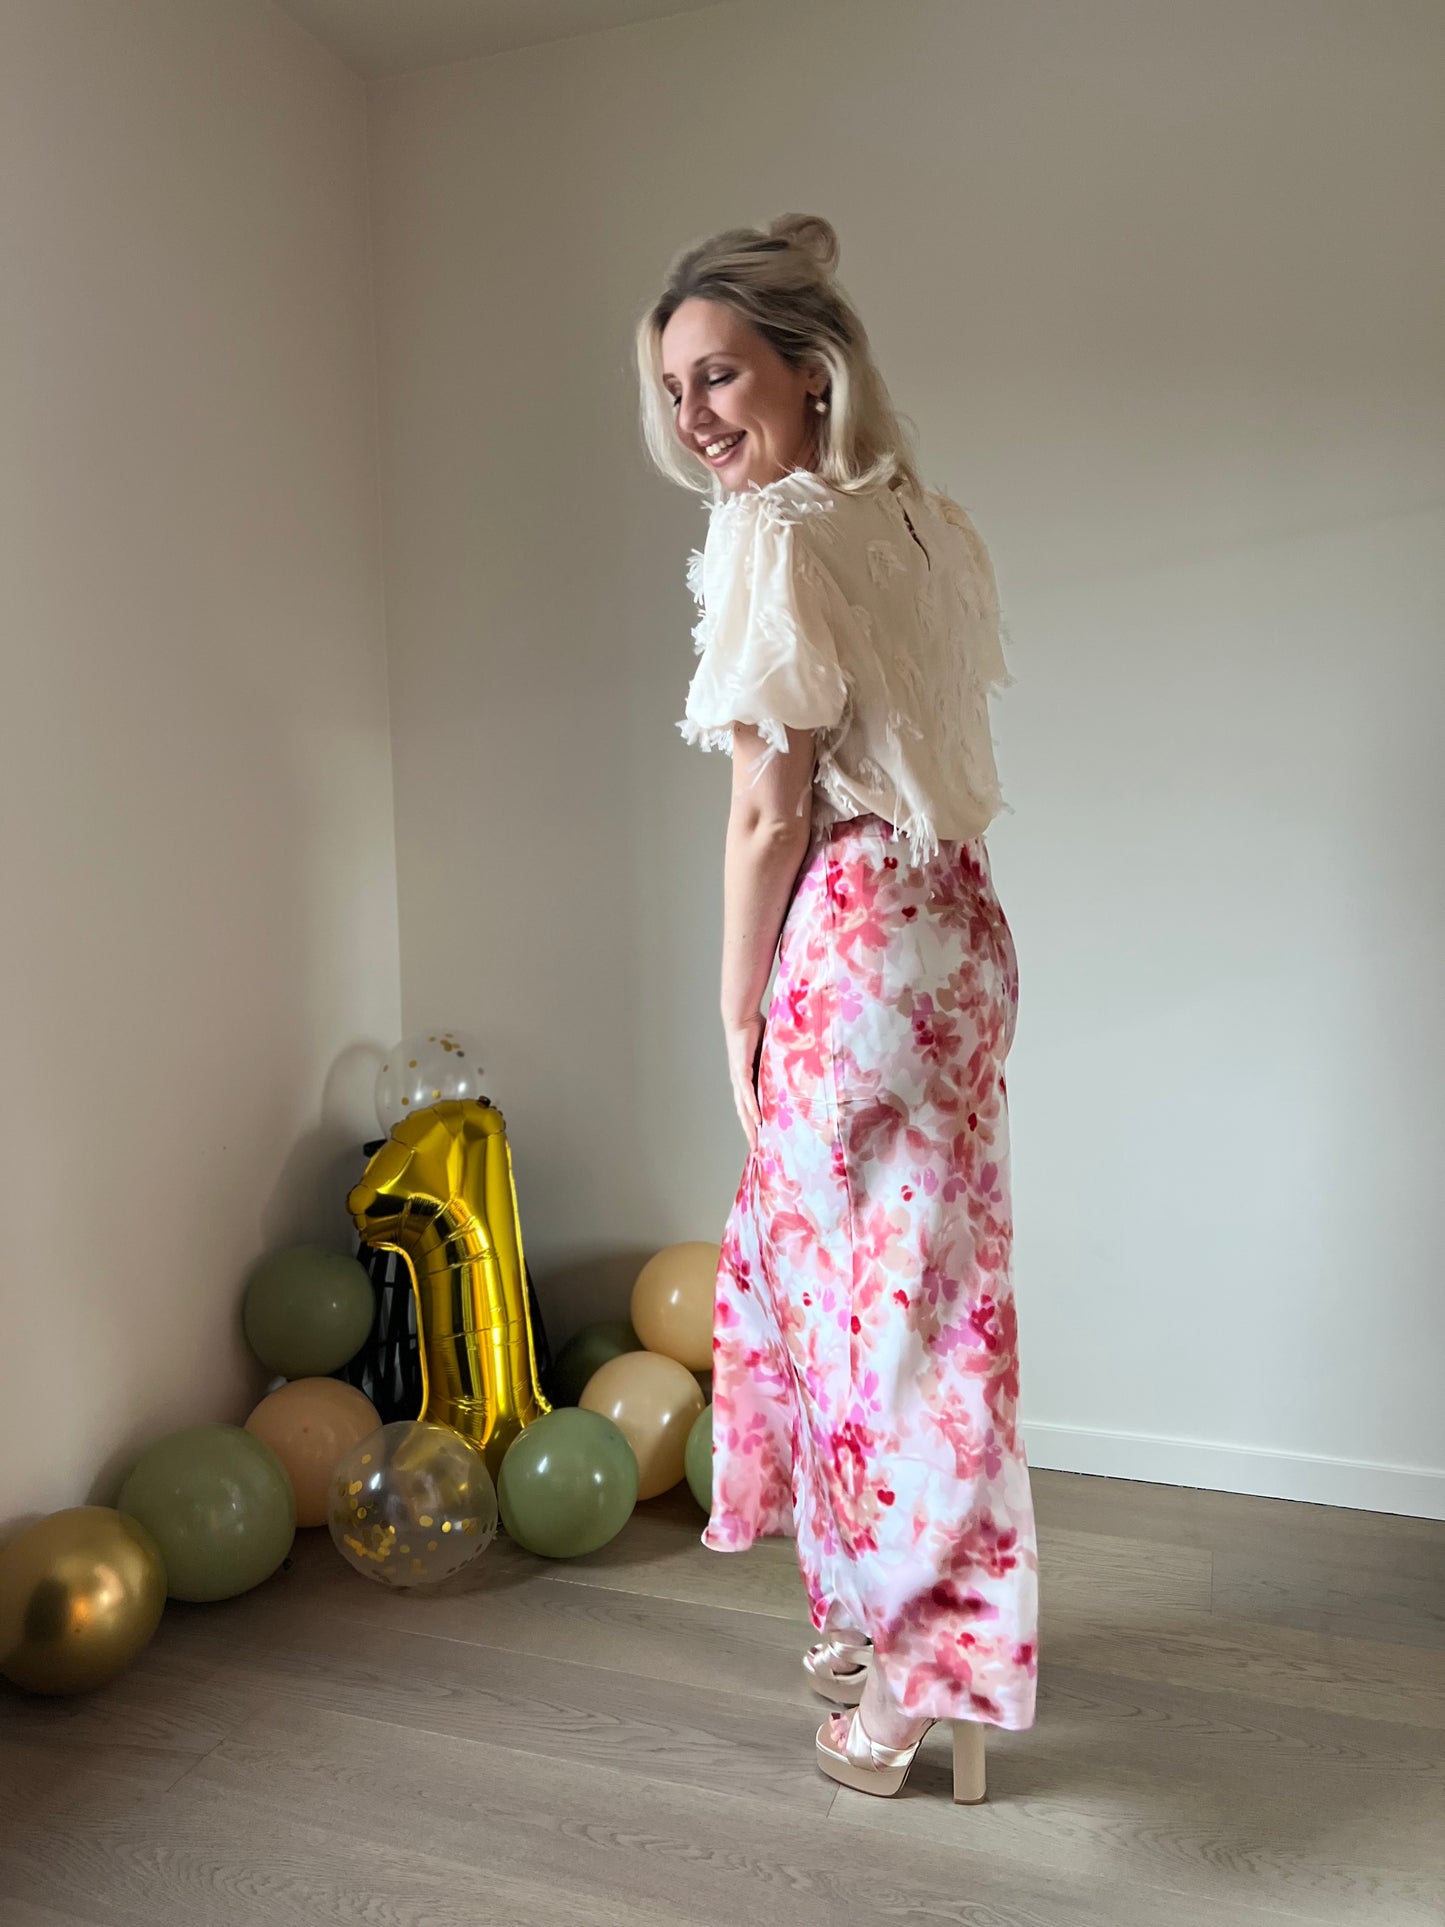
440	1192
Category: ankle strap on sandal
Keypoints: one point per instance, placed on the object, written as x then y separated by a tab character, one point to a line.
865	1751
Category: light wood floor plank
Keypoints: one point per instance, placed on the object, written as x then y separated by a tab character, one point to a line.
754	1655
1190	1516
147	1728
1240	1719
569	1712
1222	1800
1275	1664
22	1913
209	1857
661	1553
739	1859
1331	1595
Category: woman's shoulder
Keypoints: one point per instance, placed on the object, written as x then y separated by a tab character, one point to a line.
834	518
789	499
964	546
947	509
802	492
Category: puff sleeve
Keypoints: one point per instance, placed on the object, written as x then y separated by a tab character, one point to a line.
974	570
766	645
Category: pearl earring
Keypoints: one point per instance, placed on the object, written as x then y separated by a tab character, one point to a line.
820	405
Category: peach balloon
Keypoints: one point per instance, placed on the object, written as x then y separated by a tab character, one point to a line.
672	1304
652	1401
310	1424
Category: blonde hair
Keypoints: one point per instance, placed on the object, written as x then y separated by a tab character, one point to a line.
781	281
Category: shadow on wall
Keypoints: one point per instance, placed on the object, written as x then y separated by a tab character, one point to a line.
589	1289
307	1204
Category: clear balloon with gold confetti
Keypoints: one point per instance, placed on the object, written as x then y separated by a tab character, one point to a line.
431	1068
412	1504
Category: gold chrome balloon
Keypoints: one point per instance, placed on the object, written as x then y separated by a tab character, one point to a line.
440	1192
80	1594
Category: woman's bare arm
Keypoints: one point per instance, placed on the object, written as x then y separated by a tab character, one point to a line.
767	839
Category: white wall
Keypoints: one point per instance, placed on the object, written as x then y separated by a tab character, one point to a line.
199	887
1161	286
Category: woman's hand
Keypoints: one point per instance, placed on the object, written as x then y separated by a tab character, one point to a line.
743	1042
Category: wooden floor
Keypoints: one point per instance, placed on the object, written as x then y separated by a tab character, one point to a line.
1241	1718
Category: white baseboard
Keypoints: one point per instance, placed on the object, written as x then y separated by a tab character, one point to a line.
1415	1490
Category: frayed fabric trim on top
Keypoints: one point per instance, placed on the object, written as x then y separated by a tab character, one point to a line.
703	738
775	738
785	500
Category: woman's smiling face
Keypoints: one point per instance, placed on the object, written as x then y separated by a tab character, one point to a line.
727	382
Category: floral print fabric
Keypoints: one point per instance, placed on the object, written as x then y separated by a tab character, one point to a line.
865	1364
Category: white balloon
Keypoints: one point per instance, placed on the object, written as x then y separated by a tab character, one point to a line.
426	1069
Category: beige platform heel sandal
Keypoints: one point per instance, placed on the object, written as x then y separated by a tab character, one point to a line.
838	1669
863	1764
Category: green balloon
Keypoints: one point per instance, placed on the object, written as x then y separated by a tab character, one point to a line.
588	1349
218	1503
307	1312
568	1483
697	1459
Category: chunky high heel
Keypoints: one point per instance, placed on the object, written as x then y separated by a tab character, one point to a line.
863	1764
838	1668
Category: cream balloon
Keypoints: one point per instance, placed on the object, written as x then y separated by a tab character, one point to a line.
653	1401
672	1304
311	1424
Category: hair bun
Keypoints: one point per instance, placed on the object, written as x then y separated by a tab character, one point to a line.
812	235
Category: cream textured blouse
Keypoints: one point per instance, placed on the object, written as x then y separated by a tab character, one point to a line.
870	618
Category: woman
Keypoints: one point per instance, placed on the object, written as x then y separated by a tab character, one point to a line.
865	1373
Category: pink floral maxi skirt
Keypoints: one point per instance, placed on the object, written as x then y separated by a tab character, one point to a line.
865	1368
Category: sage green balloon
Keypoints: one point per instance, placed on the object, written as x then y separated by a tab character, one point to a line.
697	1459
218	1503
586	1350
568	1483
307	1312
